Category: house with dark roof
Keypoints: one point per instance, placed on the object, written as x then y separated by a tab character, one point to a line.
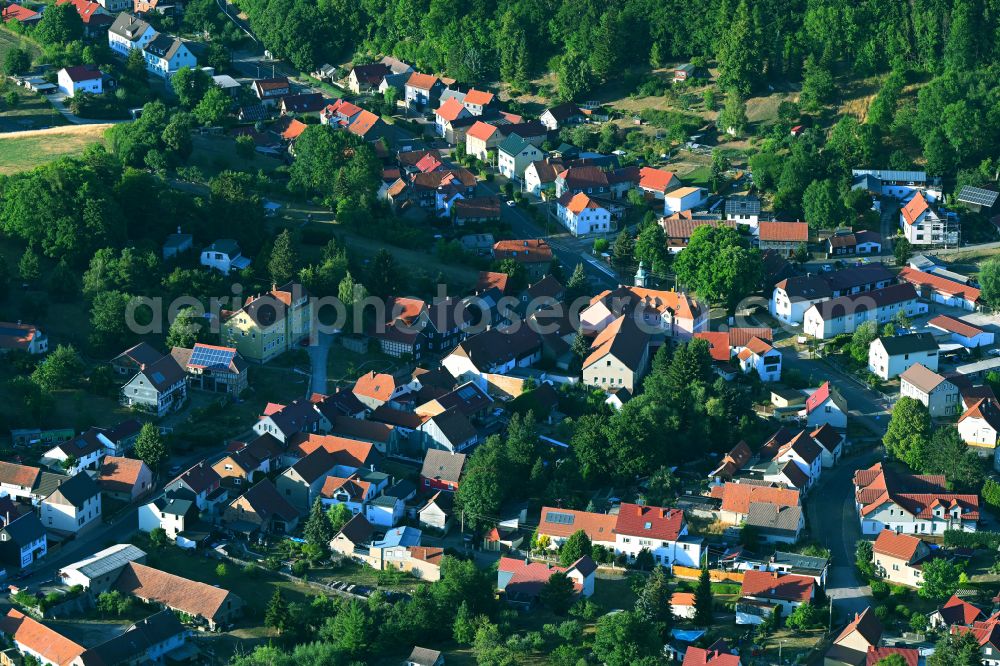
260	509
889	357
200	483
176	513
450	430
74	506
135	358
269	324
353	538
793	296
851	646
420	656
213	368
166	54
151	640
316	457
494	351
562	115
955	611
157	388
441	470
285	421
22	540
738	497
763	592
367	78
514	154
844	314
847	243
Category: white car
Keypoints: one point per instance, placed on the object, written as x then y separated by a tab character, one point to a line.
511	202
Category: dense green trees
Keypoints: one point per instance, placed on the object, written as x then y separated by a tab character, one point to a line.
719	265
909	432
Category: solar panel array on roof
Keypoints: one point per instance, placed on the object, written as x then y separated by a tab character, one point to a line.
211	357
158	377
898	176
977	196
467	393
559	518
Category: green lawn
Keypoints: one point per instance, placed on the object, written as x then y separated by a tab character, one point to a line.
25	150
699	177
214	154
30	112
9	40
328	90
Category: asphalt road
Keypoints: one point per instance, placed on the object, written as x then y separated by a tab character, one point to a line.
867	407
567	251
833	522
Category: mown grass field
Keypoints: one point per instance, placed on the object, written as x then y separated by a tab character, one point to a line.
31	111
22	151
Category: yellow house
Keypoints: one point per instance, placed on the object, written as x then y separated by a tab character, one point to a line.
270	324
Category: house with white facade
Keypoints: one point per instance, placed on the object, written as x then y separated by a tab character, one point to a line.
74	506
743	209
655	183
844	314
760	357
166	54
23	541
562	115
385	511
940	289
81	78
825	406
962	332
941	397
224	255
582	215
892	356
493	351
805	453
514	155
793	296
683	198
898	184
899	558
172	513
923	225
129	32
662	531
979	427
911	504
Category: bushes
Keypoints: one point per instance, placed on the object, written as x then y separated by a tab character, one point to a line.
880	589
960	539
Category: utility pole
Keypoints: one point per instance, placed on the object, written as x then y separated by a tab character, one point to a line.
829	626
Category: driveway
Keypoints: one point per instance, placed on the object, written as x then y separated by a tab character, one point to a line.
318	354
833	522
58	101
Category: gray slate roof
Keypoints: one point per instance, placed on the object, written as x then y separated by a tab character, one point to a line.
765	515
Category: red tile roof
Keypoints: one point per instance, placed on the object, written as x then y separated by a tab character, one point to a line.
715	655
378	386
914	208
451	109
736	497
478	97
959	611
952	325
187	596
650	521
490	279
939	284
294	129
657	179
40	639
88	10
718	344
364	122
771	585
901	546
83	72
120	474
422	81
18	475
597	526
577	203
818	397
784	231
876	654
482	131
530	251
984	409
15	12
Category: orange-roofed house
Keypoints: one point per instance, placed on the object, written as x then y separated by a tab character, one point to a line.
534	254
661	530
206	604
682	604
582	215
421	91
782	237
674	312
657	182
340	112
375	389
759	356
293	130
942	290
478	101
33	638
852	644
559	524
23	337
899	558
955	611
717	654
23	15
737	498
979	427
125	479
450	111
481	138
764	591
923	225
